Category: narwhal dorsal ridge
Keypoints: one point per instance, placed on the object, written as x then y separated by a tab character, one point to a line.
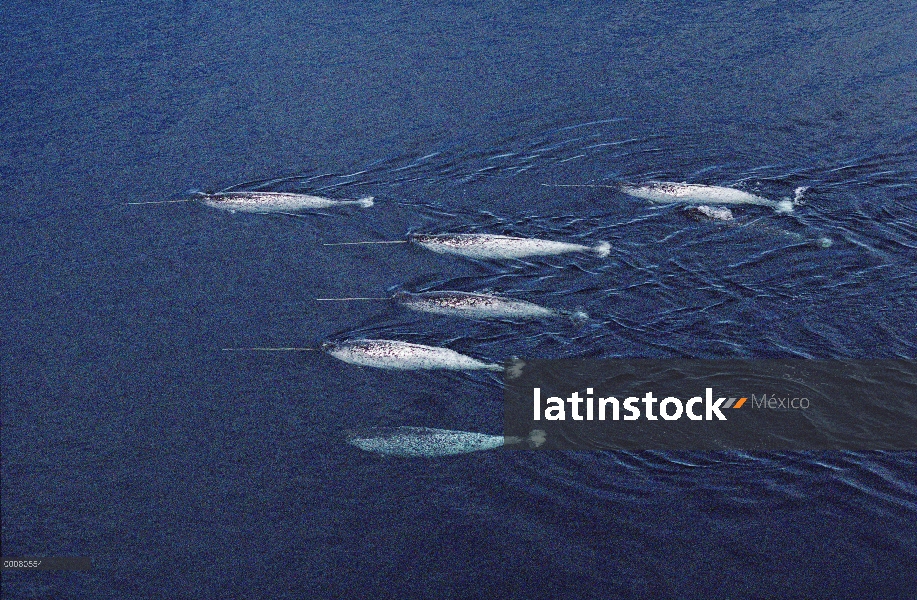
493	246
416	442
469	305
448	299
267	202
428	442
405	356
473	305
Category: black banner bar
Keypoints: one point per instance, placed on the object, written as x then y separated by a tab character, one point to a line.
787	404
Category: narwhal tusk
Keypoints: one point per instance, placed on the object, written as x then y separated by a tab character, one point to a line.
589	185
357	243
271	349
345	299
159	202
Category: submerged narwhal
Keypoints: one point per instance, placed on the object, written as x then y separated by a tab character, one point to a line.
491	246
427	442
472	306
266	202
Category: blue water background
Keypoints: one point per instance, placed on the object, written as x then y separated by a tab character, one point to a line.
185	472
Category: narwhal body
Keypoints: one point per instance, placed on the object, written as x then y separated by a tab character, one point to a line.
691	193
487	246
477	306
405	356
427	442
423	441
267	202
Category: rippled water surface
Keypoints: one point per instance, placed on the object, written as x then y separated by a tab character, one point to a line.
183	471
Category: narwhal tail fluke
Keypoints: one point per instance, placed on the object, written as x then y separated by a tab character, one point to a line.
495	367
577	316
364	202
534	439
602	249
784	206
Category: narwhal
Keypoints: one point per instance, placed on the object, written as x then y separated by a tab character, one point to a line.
427	442
693	193
392	354
472	306
266	202
489	246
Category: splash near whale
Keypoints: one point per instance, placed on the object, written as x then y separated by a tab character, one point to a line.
426	442
692	193
404	356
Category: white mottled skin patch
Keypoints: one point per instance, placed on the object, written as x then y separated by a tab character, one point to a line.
424	441
465	304
392	354
484	246
265	202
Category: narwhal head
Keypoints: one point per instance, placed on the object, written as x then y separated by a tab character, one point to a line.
402	296
422	238
627	187
196	194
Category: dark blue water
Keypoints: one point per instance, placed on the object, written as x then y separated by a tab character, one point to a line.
184	472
